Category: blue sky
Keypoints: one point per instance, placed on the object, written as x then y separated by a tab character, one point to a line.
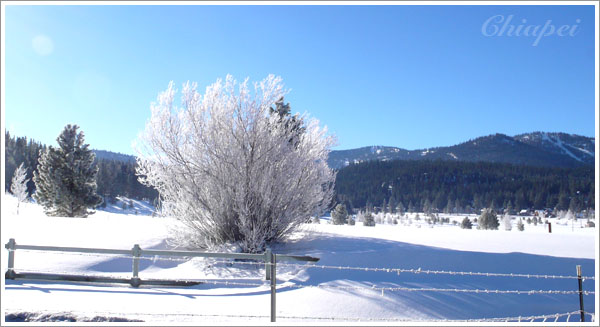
406	76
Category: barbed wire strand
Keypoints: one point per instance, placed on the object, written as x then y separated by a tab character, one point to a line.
367	269
373	288
435	272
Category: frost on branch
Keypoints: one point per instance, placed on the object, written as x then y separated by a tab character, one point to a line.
231	168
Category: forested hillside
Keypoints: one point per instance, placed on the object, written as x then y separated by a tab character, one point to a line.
463	186
115	176
423	185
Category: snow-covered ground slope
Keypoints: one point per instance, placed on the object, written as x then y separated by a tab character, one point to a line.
306	293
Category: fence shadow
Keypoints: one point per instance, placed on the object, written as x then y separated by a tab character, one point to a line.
378	253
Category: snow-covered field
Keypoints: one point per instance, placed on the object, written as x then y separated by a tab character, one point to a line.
306	293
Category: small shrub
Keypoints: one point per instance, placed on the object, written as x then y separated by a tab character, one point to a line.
351	221
316	220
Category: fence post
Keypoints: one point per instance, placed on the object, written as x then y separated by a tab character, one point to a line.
273	285
136	251
267	264
10	246
580	293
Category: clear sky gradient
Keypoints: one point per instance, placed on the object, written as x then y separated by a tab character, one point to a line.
406	76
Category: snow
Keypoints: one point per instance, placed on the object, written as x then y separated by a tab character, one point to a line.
559	144
452	155
426	152
302	291
591	154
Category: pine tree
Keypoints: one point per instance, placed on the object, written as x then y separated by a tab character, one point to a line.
488	220
427	206
392	204
448	208
400	208
466	223
339	215
520	225
66	177
369	220
18	185
457	207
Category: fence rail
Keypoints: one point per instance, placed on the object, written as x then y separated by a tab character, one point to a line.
136	254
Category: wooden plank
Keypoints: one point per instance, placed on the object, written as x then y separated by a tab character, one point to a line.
71	249
102	279
260	257
296	258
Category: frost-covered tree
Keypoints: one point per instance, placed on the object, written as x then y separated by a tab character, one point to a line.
231	168
466	223
488	220
507	222
18	186
339	215
66	177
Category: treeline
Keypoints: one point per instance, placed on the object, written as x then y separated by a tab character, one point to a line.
458	187
114	177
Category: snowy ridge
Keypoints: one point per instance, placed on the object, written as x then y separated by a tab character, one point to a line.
535	149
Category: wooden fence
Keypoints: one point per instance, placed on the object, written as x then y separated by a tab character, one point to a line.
269	258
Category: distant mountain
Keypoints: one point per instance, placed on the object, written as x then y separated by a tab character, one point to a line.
108	155
533	149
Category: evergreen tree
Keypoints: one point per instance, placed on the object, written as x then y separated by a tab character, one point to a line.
466	223
411	207
488	220
392	204
66	177
427	206
369	220
339	215
520	225
574	205
400	208
18	185
509	207
457	207
563	201
448	208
